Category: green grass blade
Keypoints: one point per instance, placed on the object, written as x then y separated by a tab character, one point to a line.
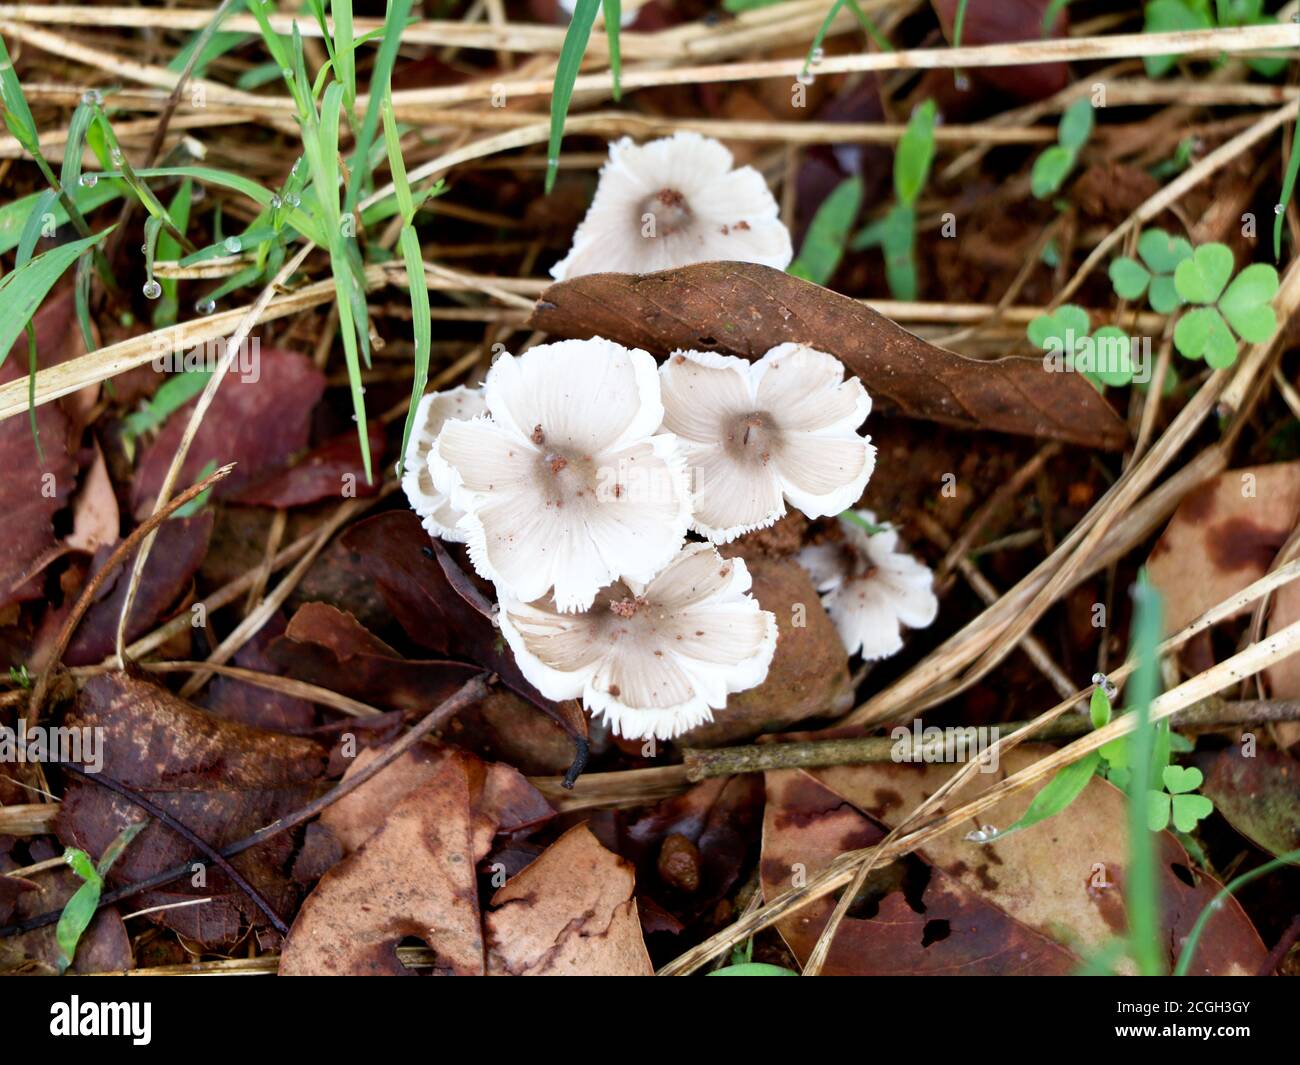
1141	891
166	311
14	216
613	23
828	233
395	19
566	73
345	60
22	291
1288	189
17	115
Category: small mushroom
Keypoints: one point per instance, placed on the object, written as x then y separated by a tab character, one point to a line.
870	588
757	434
569	484
673	202
657	658
436	513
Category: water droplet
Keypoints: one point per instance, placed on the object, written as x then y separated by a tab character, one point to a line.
198	194
292	199
152	289
287	73
89	180
116	156
961	83
205	306
92	97
232	245
296	163
276	203
1104	683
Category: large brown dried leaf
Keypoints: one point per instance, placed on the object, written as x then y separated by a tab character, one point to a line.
949	930
745	309
569	913
220	779
257	424
1063	877
415	876
1222	537
1259	795
504	801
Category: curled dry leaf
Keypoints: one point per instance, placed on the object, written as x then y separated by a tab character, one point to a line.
222	780
569	913
421	828
394	551
945	928
1259	795
333	470
1064	877
273	416
745	309
325	646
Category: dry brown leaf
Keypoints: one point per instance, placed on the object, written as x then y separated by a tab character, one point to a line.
745	309
1063	877
931	924
414	877
569	913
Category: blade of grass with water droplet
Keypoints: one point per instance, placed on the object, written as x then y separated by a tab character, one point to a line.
566	73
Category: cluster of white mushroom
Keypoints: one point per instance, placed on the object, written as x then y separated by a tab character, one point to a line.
576	472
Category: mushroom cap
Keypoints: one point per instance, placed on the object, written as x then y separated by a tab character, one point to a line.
870	588
673	202
437	515
566	484
657	658
755	435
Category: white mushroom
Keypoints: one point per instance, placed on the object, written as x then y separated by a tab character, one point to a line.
870	588
656	659
569	484
673	202
757	434
436	513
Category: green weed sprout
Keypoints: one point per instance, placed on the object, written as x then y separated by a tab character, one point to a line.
1152	273
1222	312
1104	357
1054	165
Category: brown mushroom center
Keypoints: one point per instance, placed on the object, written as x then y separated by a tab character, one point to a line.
752	438
564	474
668	209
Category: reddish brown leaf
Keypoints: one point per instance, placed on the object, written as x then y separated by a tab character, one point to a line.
393	549
1259	795
324	646
331	471
32	489
1063	878
570	913
252	704
1003	22
257	424
947	930
744	309
177	554
222	780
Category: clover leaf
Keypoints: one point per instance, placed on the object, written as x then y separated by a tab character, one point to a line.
1104	357
1169	16
1175	803
1245	304
1160	255
1054	165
